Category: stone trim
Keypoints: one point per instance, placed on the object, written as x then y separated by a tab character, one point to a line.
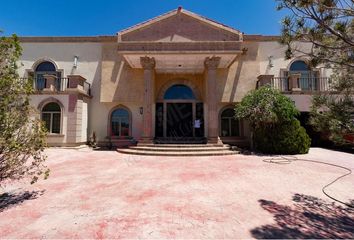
175	12
261	38
69	39
207	46
49	100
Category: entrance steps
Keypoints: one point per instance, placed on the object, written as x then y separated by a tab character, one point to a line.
180	150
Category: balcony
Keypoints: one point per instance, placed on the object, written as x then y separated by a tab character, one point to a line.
51	84
295	83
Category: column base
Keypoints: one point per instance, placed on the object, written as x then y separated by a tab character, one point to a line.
214	140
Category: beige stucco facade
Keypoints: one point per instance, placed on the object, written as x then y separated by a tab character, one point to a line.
135	68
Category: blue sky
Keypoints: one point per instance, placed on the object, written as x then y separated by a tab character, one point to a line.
106	17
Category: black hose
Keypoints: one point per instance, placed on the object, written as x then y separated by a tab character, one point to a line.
287	160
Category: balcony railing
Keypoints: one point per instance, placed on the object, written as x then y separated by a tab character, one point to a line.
288	84
59	84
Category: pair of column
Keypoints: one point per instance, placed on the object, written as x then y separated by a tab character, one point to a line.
211	64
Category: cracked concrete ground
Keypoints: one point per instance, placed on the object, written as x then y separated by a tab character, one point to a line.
105	194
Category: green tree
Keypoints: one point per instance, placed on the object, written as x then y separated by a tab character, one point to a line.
22	137
327	26
270	114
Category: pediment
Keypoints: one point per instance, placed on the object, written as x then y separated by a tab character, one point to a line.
179	26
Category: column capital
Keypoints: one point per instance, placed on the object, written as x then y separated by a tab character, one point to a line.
211	62
147	62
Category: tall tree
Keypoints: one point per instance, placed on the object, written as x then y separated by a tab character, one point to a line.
327	26
22	137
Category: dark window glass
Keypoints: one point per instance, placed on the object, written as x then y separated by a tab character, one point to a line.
52	107
225	131
228	113
46	119
45	67
235	128
230	127
299	66
124	126
308	79
51	115
120	122
179	91
56	123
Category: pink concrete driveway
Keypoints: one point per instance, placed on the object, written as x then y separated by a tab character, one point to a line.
98	194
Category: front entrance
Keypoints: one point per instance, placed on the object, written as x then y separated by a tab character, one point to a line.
179	116
179	120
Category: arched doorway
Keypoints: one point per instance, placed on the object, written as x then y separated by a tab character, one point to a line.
179	114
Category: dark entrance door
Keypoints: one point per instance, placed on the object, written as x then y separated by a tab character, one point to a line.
179	120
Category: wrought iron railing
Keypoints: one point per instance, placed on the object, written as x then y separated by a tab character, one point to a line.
304	84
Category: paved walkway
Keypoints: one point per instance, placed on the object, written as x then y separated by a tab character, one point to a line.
98	194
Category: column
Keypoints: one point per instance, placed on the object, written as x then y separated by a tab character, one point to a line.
211	65
148	65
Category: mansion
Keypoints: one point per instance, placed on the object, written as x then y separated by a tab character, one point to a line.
176	77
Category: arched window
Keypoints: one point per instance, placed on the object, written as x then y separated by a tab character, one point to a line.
51	115
46	68
299	66
308	77
230	127
179	91
120	123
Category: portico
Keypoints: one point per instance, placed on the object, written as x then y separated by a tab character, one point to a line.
175	59
201	106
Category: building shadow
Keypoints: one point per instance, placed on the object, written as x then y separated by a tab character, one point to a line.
309	217
8	200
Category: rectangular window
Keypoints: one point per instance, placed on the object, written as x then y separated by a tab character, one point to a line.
46	118
235	130
225	127
56	123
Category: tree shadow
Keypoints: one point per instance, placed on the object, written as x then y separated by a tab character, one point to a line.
8	200
309	217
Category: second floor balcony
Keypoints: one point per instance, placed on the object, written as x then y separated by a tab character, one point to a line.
295	83
53	84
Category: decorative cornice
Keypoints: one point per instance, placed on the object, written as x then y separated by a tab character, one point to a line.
212	62
147	62
261	38
69	39
181	11
180	46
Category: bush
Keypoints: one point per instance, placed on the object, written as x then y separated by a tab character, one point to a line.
286	138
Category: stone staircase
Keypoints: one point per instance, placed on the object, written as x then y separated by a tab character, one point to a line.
180	150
